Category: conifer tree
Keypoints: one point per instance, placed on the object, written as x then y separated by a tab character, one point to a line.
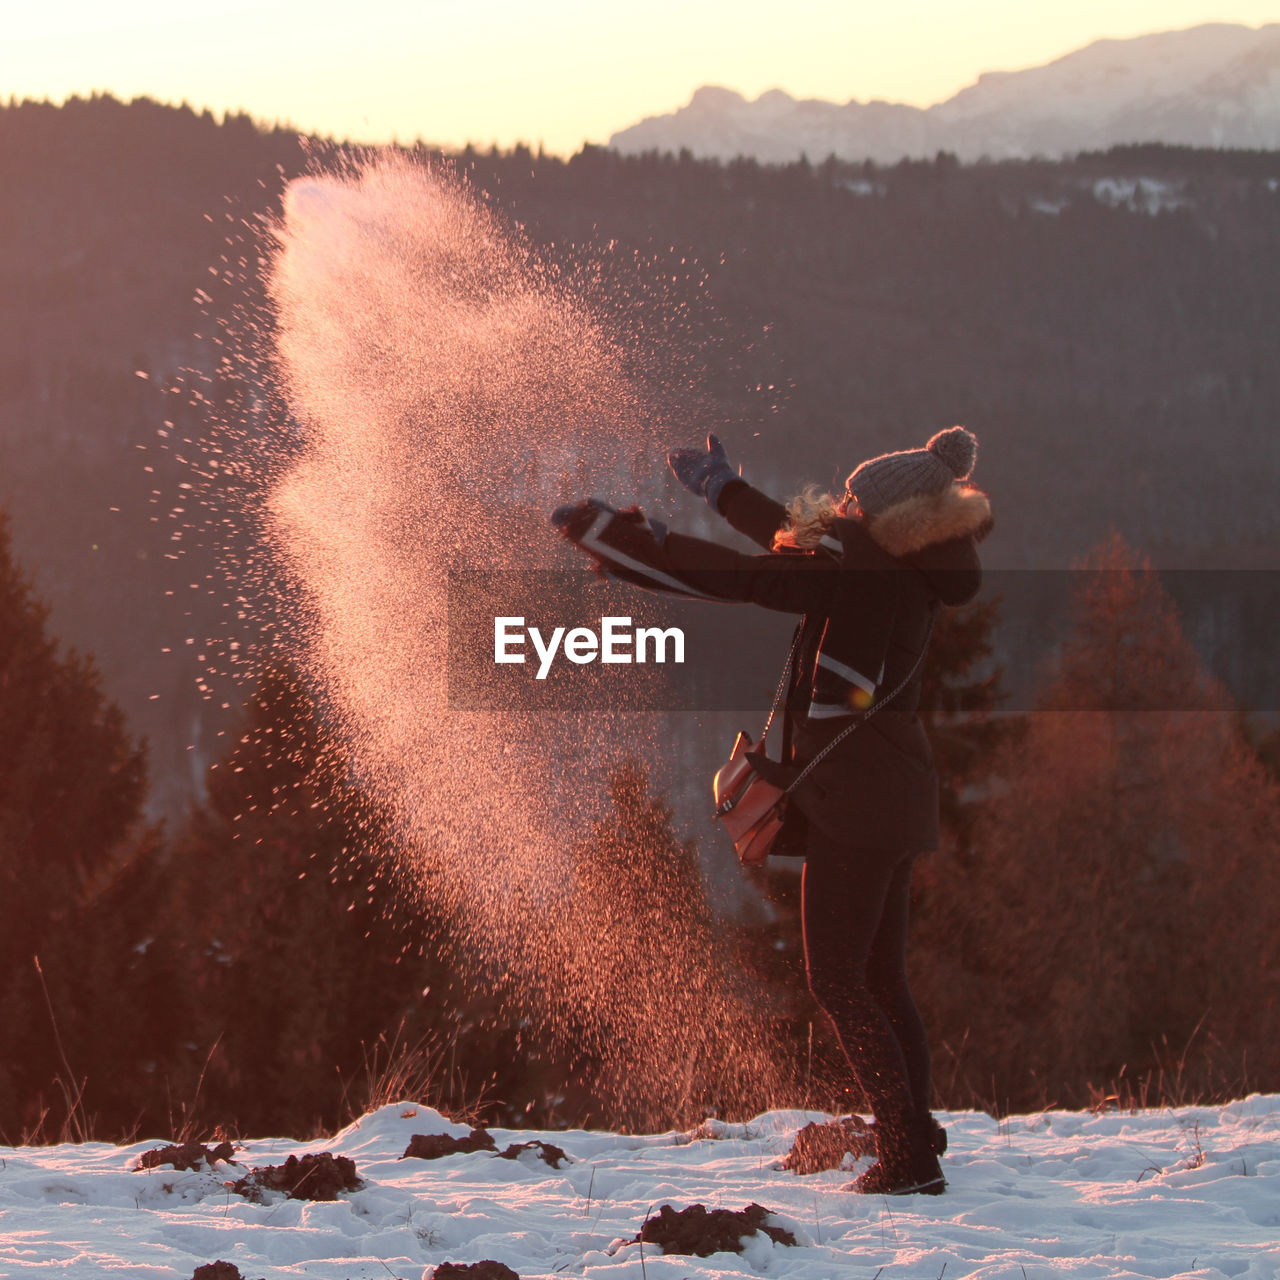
298	961
1118	908
669	1031
72	784
959	697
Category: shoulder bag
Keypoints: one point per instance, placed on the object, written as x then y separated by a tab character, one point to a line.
752	809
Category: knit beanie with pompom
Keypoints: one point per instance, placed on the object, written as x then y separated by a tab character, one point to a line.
880	483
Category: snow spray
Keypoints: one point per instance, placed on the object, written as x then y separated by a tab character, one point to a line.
448	388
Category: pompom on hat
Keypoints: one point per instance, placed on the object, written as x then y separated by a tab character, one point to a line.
880	483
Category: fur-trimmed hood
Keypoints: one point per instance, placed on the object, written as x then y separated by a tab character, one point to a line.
935	534
924	520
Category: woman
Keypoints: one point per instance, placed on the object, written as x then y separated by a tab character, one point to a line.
867	573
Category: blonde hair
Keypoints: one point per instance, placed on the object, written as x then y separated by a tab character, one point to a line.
810	516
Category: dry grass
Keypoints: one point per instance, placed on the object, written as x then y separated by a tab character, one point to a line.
425	1071
1202	1072
74	1126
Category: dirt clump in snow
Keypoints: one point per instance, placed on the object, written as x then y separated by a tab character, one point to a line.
431	1146
702	1232
217	1271
313	1177
818	1147
487	1270
547	1152
189	1156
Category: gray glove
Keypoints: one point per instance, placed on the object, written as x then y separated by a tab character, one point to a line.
704	472
575	518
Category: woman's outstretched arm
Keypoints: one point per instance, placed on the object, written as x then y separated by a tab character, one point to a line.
807	582
626	545
706	473
752	513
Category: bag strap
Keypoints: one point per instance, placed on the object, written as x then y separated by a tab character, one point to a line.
868	713
783	681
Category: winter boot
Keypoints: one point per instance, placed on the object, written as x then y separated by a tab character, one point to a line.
937	1136
907	1165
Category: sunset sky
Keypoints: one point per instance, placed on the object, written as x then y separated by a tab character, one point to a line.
555	72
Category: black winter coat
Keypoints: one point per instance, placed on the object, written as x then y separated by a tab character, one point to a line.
867	609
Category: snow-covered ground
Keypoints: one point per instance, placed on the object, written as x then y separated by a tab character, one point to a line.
1190	1192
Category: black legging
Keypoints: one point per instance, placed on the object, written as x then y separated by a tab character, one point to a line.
855	906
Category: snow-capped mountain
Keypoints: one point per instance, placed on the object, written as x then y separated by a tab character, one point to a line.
1216	85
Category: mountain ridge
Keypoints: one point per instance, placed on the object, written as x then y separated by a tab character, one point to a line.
1215	85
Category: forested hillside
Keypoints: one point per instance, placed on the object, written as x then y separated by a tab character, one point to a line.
1108	327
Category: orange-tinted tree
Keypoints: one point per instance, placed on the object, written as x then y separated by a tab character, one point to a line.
1115	921
72	835
663	1028
299	961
